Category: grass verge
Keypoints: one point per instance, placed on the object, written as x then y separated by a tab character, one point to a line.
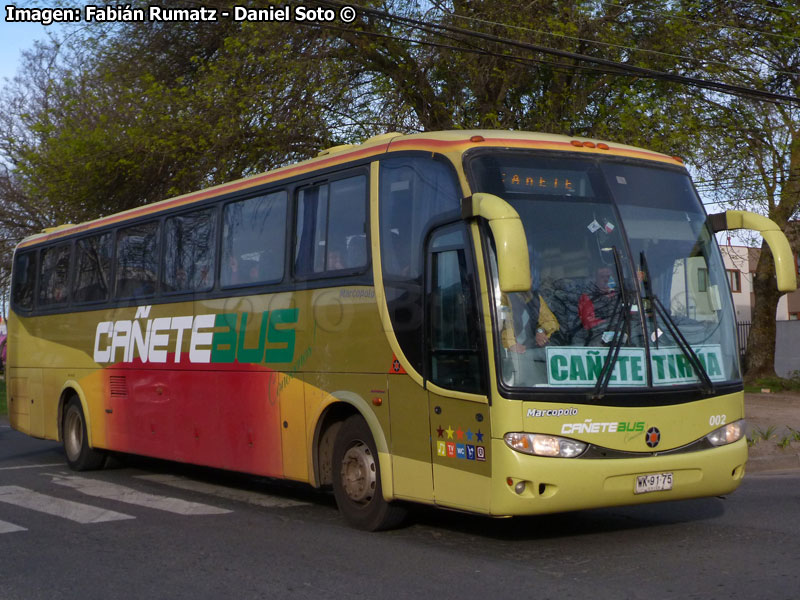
774	384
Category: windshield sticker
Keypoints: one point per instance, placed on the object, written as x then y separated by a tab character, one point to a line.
671	366
581	367
621	180
594	226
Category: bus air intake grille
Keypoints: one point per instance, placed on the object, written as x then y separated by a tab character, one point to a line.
118	386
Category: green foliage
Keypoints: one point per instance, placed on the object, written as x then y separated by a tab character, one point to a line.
3	401
774	384
763	434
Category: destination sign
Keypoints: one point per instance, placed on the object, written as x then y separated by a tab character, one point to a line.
581	366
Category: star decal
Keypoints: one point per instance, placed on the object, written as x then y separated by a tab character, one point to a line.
460	433
469	434
479	435
440	431
449	431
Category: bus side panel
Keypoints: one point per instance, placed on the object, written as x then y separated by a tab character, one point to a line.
411	448
24	389
217	418
462	453
289	392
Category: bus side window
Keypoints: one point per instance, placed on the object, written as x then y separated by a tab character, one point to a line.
54	275
190	243
331	227
347	224
312	217
137	261
24	280
455	357
93	268
415	194
254	240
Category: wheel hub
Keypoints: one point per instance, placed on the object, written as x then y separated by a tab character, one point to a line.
359	474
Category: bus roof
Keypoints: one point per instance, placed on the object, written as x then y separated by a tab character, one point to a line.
445	142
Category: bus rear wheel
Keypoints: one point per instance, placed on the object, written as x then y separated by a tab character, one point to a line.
80	456
357	479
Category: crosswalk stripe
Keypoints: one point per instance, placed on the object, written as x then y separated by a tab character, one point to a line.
120	493
6	527
58	507
255	498
42	466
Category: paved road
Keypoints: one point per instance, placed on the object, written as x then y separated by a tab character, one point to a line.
154	529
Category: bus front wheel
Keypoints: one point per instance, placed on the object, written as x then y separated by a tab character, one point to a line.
357	479
80	457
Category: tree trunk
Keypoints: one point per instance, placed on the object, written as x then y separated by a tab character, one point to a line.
760	353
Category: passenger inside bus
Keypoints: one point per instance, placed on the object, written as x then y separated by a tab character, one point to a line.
596	306
242	271
529	329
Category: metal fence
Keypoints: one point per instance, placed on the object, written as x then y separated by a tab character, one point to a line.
742	331
787	341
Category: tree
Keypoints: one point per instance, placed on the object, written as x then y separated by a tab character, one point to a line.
752	152
432	71
106	120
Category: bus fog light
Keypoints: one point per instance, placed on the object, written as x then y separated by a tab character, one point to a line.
727	434
544	445
520	487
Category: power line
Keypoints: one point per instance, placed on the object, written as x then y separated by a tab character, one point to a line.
724	88
588	41
767	7
472	49
699	22
609	44
564	67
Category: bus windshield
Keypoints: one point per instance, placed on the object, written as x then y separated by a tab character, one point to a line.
628	288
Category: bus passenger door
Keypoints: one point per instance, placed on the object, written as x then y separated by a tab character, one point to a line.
459	415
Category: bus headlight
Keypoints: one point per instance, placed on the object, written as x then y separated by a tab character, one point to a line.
544	445
727	434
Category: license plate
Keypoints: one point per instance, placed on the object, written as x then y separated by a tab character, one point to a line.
655	482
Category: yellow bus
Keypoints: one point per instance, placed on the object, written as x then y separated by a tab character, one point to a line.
504	323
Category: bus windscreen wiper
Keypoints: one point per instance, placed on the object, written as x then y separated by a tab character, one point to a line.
674	330
621	319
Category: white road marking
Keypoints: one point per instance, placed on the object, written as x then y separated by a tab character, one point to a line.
58	507
61	464
221	491
6	527
120	493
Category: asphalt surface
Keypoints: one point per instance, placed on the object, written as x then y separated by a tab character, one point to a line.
153	529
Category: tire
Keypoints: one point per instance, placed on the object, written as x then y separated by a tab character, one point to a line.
357	479
80	457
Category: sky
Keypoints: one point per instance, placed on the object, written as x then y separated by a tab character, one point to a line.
15	37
